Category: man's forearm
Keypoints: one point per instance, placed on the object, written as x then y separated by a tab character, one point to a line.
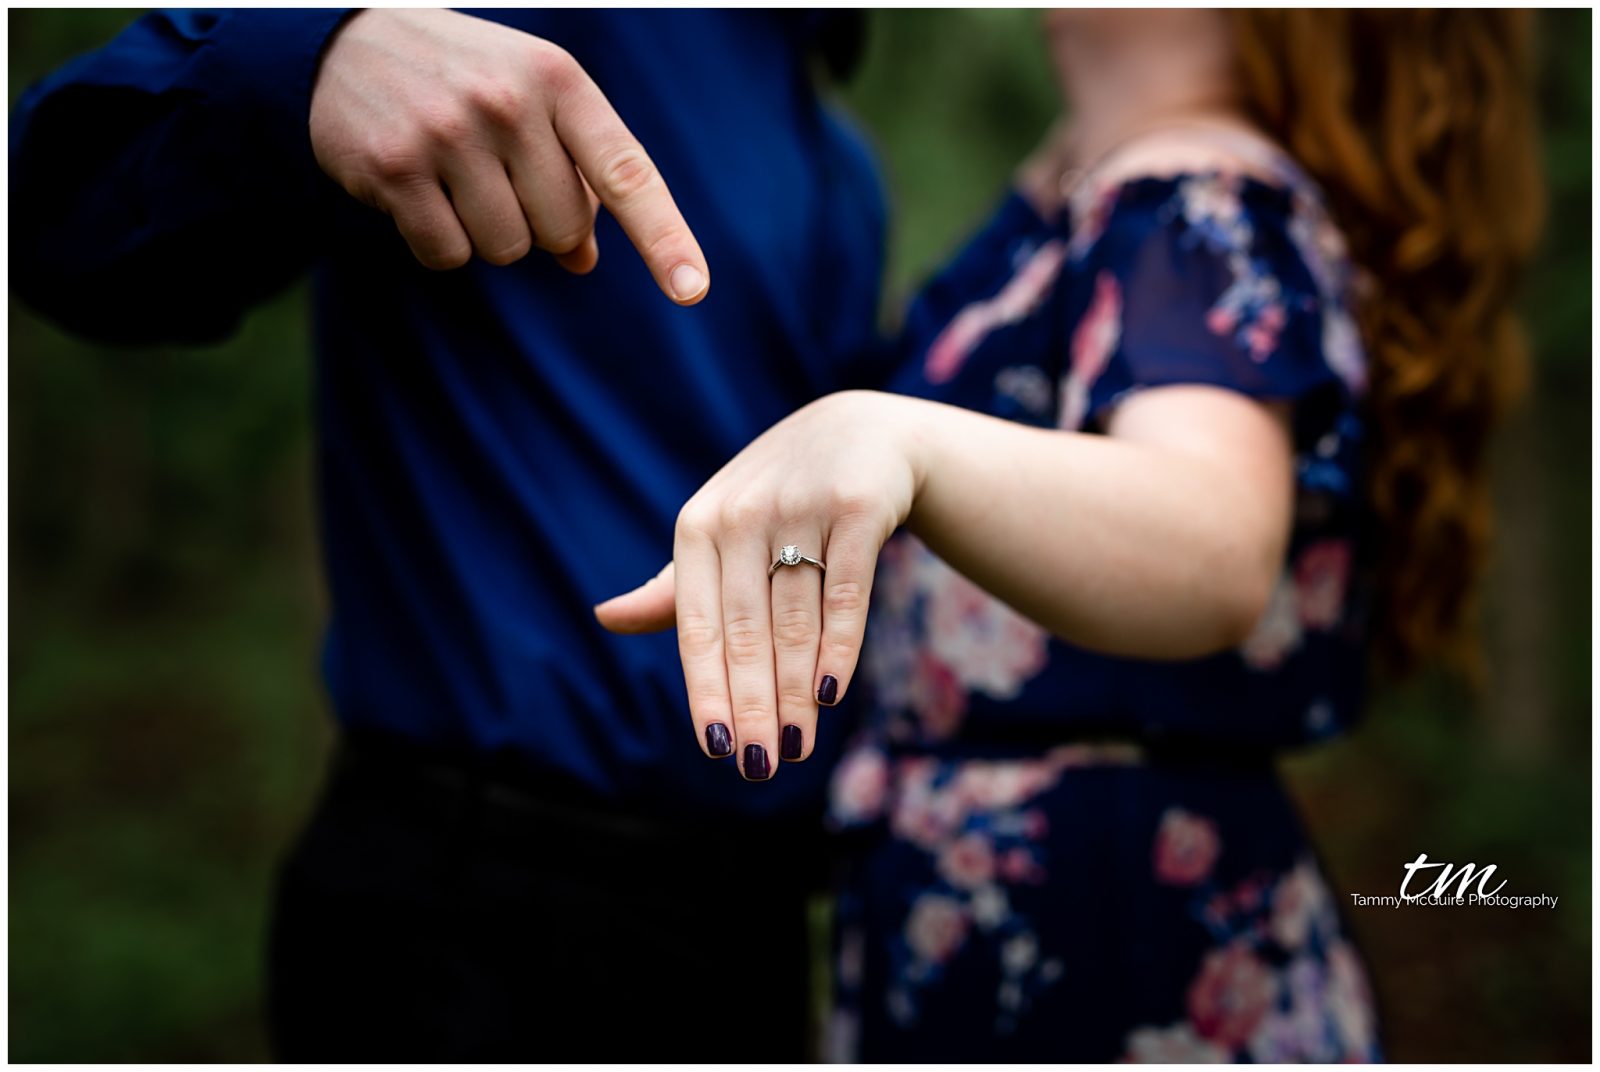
163	184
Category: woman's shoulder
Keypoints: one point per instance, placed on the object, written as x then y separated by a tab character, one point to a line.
1212	261
1220	178
1194	147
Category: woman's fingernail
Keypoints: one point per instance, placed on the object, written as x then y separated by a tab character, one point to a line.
687	282
828	691
793	741
756	766
719	742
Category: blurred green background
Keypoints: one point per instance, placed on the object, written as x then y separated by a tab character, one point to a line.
168	731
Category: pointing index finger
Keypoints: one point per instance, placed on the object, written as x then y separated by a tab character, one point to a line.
625	179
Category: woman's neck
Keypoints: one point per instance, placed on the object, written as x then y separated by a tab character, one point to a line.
1118	90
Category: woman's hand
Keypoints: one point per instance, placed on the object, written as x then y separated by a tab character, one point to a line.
1162	539
834	479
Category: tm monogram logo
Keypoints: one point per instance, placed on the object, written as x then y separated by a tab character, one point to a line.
1441	885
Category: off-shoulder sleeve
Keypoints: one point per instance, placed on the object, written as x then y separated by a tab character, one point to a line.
1212	280
990	259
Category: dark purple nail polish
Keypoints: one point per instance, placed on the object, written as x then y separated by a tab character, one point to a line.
828	691
719	742
793	742
756	766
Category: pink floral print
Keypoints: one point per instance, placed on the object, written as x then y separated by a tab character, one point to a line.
1231	996
1252	310
1021	296
968	862
975	822
1299	905
860	786
936	927
937	639
1093	342
1281	984
1322	247
1092	205
1278	632
1350	998
986	646
1175	1045
938	697
1310	595
1321	573
1186	848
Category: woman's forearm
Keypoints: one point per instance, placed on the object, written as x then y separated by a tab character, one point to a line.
1159	540
1162	544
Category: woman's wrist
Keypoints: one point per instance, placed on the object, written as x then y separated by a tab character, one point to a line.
925	433
913	426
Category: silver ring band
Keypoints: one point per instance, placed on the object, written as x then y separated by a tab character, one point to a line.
789	555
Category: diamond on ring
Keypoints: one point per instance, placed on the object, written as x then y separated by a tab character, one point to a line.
789	555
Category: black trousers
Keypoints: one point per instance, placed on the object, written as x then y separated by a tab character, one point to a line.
431	913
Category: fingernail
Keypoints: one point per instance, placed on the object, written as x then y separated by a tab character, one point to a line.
793	739
828	691
756	767
687	282
719	742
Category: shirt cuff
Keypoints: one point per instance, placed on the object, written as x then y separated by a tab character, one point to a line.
256	74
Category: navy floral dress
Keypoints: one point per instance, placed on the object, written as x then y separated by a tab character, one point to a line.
1055	855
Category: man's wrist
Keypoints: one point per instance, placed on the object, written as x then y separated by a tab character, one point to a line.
255	79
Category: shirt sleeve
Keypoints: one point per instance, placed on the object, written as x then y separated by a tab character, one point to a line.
1209	282
163	184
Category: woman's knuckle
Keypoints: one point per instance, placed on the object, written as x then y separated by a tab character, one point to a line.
750	721
698	634
837	650
706	697
845	598
793	697
742	512
794	627
745	639
795	505
851	503
695	520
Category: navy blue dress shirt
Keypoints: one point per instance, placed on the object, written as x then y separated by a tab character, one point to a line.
498	448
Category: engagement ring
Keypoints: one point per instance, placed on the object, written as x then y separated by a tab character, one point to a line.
790	555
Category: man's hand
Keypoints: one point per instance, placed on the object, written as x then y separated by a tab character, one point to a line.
477	138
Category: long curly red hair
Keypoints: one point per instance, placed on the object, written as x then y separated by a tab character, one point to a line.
1419	124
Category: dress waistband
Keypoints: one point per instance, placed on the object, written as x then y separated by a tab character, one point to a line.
1090	747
